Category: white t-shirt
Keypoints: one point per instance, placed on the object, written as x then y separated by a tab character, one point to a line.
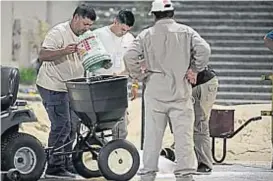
53	74
115	46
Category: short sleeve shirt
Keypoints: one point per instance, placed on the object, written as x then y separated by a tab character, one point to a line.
53	74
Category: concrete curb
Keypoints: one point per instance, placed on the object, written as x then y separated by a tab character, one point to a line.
32	98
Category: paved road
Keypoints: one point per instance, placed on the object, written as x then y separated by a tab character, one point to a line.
236	172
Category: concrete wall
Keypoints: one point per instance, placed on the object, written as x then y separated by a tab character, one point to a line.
6	32
28	12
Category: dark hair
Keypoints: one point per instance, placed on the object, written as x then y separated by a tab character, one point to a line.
126	17
85	11
163	14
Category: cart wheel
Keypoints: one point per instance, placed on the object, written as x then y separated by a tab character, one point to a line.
119	160
85	159
25	153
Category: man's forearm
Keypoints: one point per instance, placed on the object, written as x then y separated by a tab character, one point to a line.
201	58
131	62
51	55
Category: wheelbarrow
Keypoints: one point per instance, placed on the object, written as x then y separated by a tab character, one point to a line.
221	125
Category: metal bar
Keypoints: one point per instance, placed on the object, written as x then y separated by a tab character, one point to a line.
142	118
272	120
224	153
244	125
267	113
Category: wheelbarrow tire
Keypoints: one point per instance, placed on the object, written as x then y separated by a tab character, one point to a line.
109	148
27	146
78	160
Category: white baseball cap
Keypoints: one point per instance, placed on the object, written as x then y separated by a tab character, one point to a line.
162	5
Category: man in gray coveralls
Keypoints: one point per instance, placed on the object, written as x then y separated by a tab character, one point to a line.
168	49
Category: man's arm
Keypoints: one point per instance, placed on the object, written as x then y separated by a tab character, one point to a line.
52	47
132	59
51	55
268	40
200	50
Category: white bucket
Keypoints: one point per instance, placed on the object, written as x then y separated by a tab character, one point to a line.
92	52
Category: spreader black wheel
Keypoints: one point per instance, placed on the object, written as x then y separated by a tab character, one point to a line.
119	160
85	159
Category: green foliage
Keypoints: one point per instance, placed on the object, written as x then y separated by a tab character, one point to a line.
27	76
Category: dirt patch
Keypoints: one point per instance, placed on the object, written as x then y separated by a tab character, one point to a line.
253	143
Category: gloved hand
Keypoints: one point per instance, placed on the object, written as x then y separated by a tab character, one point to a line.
134	90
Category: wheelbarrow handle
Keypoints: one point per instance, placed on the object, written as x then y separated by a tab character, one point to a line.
229	135
244	125
255	118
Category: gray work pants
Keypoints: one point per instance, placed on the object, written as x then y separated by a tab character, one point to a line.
204	95
181	116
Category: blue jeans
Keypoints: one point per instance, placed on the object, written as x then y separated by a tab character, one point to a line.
64	123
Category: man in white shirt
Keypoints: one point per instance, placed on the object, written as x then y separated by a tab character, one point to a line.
115	39
60	62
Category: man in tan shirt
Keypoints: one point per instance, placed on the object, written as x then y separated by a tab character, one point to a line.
60	63
168	48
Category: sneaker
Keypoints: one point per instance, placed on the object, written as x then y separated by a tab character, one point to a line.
58	173
204	169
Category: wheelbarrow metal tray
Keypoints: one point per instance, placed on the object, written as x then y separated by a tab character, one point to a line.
221	122
107	96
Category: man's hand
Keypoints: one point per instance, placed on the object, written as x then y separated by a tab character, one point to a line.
71	48
191	76
143	67
54	54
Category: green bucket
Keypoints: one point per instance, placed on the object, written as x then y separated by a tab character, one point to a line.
93	53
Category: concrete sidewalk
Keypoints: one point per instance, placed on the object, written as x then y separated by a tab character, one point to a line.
232	172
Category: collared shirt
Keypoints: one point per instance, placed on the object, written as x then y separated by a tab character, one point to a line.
169	49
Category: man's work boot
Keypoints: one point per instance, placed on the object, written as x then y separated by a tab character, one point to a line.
58	172
204	169
69	166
